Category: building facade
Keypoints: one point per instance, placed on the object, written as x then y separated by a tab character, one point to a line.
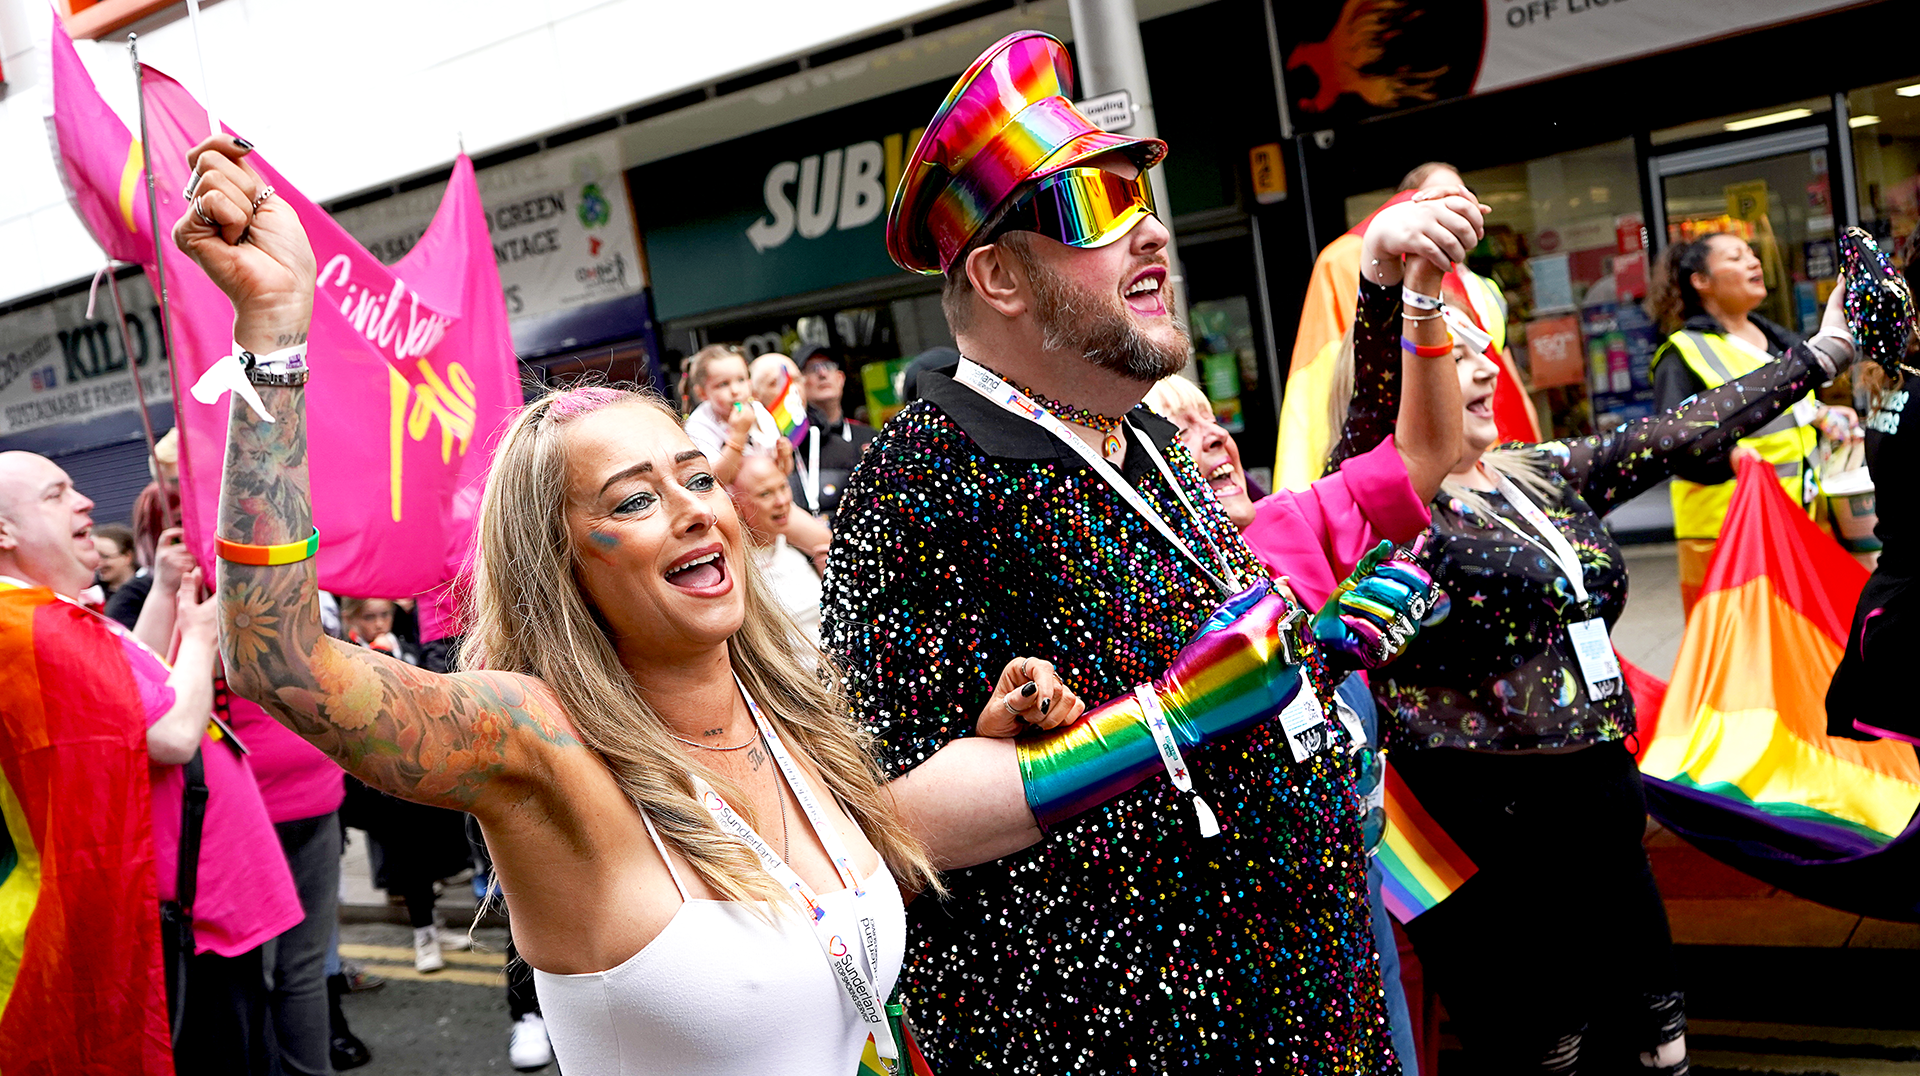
659	177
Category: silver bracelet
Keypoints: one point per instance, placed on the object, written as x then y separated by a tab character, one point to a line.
1424	317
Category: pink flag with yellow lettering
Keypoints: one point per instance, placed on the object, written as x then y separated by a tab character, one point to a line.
413	367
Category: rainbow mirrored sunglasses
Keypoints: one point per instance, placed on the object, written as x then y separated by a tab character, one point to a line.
1080	207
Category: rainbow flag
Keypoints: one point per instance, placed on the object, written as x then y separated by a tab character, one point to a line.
1420	864
790	410
81	987
1333	292
1740	762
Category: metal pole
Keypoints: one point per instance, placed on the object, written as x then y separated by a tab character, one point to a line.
139	393
159	254
1106	38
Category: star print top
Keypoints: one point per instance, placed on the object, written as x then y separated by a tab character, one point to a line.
1500	673
1124	942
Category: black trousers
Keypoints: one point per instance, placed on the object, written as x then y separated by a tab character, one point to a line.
1556	956
229	1025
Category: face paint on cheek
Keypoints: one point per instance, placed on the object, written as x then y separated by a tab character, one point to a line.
605	541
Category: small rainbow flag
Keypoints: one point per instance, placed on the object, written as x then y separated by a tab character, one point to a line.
790	410
1422	865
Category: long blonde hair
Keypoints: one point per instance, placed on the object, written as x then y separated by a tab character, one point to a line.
527	614
1525	464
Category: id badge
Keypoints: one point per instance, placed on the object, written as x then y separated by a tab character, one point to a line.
1598	665
1305	723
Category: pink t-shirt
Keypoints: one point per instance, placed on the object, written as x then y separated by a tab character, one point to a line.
244	890
296	780
1316	536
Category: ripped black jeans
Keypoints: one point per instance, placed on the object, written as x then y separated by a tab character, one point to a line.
1556	957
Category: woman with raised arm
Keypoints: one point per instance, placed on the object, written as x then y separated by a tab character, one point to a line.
1508	721
640	737
641	699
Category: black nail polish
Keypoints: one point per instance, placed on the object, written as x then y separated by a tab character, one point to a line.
242	143
1044	703
1029	689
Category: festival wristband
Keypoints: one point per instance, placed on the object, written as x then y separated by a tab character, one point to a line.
1244	667
1420	301
268	555
231	374
1429	351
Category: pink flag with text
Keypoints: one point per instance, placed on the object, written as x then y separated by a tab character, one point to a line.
413	367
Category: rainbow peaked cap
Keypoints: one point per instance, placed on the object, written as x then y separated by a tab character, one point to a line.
1009	121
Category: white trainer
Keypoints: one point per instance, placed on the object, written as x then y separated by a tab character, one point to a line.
454	939
426	949
529	1049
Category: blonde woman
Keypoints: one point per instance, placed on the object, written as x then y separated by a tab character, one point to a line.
702	865
1508	720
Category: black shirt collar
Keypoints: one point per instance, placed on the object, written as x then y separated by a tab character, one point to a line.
1004	435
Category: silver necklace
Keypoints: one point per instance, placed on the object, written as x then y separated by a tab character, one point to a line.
786	845
755	738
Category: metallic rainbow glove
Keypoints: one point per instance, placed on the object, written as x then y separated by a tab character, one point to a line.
1245	665
1375	612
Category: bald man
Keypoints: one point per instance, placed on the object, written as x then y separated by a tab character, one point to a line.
765	504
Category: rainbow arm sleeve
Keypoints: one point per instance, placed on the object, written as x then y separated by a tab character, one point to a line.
1242	668
1247	664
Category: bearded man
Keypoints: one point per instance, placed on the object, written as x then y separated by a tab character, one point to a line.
1028	505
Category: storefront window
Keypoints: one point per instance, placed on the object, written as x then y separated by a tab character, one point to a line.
1886	158
1565	242
1758	121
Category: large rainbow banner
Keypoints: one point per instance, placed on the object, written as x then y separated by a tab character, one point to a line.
1741	762
81	989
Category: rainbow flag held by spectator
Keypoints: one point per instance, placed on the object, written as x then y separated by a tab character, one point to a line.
1740	763
81	986
790	410
1421	866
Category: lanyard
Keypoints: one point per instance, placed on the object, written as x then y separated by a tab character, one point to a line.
990	385
860	985
811	483
1557	548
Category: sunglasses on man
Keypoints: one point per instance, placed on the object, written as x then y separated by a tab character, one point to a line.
1080	207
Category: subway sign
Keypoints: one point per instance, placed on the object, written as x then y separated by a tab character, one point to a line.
789	210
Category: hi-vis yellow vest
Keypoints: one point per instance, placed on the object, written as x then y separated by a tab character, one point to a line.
1699	510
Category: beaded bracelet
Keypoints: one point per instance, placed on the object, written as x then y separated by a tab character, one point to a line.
1429	351
268	555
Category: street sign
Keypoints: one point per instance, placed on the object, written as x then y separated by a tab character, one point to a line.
1109	111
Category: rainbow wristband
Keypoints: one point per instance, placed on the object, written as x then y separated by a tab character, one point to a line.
1429	351
265	556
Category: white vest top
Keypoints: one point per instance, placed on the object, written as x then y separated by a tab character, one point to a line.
722	992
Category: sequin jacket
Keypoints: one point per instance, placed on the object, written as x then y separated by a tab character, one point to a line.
1123	942
1500	673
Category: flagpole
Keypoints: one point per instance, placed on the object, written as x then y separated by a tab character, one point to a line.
139	393
159	265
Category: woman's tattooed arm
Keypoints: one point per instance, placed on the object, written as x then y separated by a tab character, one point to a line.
454	741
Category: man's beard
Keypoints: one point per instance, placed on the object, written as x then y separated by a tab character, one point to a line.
1102	329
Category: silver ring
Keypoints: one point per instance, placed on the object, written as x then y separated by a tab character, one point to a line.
259	201
1007	701
193	184
202	214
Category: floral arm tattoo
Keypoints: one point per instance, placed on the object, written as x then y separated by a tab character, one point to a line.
423	736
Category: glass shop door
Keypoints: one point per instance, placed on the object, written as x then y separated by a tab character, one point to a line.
1778	192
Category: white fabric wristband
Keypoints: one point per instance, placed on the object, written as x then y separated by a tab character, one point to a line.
230	374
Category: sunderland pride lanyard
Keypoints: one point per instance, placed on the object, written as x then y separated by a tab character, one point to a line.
1557	549
996	390
836	940
1592	648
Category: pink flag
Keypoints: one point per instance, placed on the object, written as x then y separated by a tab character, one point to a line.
413	367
